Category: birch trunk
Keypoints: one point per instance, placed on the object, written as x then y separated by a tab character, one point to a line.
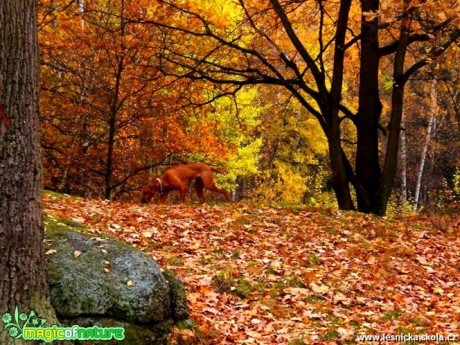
426	144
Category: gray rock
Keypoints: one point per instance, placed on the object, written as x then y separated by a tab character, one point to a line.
178	297
111	283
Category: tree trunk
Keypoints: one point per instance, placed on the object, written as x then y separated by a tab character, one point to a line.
114	109
403	159
394	127
22	266
369	111
340	180
429	132
340	177
109	164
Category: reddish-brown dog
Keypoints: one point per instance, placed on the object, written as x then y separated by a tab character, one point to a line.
178	178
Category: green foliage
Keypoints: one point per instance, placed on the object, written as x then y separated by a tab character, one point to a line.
457	183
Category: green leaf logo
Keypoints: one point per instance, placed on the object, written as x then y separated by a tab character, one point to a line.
15	324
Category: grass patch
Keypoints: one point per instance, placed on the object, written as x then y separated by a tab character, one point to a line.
315	299
331	334
57	195
176	260
186	324
391	315
314	259
295	282
55	224
225	283
298	341
235	255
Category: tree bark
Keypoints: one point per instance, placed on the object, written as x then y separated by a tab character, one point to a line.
22	267
340	178
114	109
394	127
369	110
403	159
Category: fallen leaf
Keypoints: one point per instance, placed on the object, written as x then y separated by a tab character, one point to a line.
147	234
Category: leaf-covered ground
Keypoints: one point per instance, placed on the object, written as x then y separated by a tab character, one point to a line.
278	275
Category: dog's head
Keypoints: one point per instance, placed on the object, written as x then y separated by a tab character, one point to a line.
149	191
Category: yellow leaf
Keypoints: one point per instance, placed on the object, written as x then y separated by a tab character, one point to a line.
438	291
319	289
147	234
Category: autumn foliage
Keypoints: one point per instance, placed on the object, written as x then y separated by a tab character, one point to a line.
108	114
302	102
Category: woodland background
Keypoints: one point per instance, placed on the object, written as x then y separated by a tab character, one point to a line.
114	112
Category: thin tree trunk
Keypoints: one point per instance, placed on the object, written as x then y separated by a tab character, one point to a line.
426	144
394	127
340	178
403	159
22	265
114	108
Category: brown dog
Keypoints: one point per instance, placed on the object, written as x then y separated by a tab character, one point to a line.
178	178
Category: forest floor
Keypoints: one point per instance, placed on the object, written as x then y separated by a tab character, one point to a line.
292	275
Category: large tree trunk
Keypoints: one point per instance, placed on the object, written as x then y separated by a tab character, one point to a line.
22	265
369	111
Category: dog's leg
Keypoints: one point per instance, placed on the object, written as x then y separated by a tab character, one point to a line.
199	186
208	181
163	196
214	188
182	192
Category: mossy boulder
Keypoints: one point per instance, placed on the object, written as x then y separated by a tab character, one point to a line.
178	298
96	280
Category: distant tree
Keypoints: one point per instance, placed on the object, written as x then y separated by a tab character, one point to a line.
431	155
22	264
